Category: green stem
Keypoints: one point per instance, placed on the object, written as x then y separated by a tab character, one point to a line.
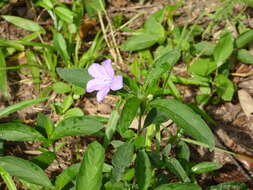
7	179
217	149
207	146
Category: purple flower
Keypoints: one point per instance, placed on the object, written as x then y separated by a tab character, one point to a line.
104	79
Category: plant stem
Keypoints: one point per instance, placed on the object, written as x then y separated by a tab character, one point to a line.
217	149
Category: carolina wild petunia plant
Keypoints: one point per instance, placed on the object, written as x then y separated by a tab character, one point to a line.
104	79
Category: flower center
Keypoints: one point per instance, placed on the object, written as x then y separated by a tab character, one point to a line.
108	80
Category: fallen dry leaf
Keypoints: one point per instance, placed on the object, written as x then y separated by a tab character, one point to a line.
246	102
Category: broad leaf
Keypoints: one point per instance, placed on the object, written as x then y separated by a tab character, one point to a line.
67	176
24	23
115	186
161	65
223	49
154	27
139	42
152	33
245	56
179	186
244	39
205	167
78	77
25	170
111	126
44	122
186	118
92	7
61	47
204	48
15	131
143	170
65	14
155	117
90	173
44	159
61	88
76	126
128	114
121	159
231	185
224	87
175	167
202	67
183	151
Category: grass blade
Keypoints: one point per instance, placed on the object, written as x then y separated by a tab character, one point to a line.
19	106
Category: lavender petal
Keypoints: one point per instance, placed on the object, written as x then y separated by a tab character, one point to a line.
97	71
95	84
102	94
107	64
117	83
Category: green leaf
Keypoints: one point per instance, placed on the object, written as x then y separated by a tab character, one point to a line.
61	87
25	170
7	179
224	87
15	131
67	176
245	56
19	106
24	23
186	118
44	159
65	14
73	112
111	126
61	47
204	48
44	122
202	67
114	186
152	33
161	65
90	173
3	76
143	170
92	7
183	151
47	4
11	43
139	42
122	159
244	39
31	59
128	114
75	126
223	49
231	185
175	167
155	117
152	26
205	167
78	77
178	186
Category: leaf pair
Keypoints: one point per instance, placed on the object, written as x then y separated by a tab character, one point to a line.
152	33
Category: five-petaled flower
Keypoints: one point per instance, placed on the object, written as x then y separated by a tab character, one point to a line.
104	79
